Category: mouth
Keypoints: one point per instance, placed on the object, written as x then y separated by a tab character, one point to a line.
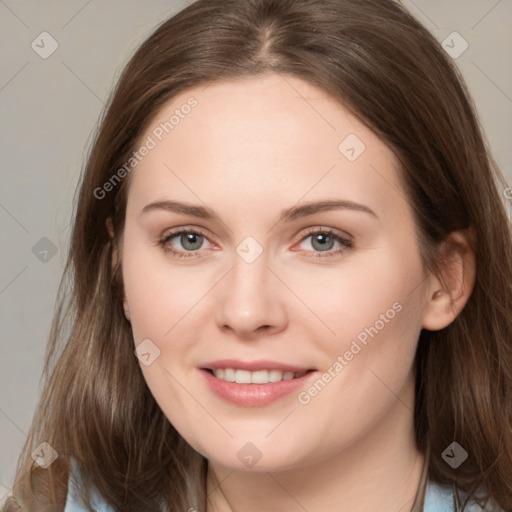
256	387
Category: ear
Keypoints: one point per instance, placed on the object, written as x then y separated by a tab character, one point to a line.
110	229
449	292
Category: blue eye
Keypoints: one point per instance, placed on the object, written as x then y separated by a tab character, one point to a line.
186	237
324	239
192	241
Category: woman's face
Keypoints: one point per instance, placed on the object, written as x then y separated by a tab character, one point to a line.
272	278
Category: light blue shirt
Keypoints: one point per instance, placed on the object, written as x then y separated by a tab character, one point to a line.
437	499
440	499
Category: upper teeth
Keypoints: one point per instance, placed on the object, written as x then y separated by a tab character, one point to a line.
257	377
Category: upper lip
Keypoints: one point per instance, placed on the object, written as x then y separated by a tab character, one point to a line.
262	364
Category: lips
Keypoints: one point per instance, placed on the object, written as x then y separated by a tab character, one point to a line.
252	385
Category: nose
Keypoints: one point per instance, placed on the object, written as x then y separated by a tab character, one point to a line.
251	301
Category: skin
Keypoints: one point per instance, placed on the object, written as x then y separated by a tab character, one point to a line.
249	150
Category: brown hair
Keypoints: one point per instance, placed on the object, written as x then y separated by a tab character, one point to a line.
389	71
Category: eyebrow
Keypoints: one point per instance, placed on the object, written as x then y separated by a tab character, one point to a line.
286	215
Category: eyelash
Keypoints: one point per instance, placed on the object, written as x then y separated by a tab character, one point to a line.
346	244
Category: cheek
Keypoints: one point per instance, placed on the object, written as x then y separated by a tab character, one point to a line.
371	295
159	294
375	312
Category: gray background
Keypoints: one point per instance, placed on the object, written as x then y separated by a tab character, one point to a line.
49	108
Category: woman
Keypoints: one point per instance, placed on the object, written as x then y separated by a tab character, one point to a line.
338	334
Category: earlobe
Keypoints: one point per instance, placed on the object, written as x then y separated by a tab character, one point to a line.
449	293
126	309
110	229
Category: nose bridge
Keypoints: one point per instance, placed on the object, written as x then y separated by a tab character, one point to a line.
250	298
249	278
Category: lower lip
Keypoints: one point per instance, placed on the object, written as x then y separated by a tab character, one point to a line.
253	395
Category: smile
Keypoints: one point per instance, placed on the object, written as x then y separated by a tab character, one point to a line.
256	377
254	388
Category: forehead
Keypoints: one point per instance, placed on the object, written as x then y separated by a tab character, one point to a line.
273	134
